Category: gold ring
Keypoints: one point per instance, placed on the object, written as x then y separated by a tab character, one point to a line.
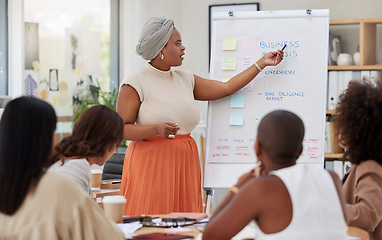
171	136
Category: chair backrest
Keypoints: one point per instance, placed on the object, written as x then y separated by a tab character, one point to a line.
113	167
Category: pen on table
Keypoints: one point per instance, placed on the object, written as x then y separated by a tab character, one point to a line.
283	47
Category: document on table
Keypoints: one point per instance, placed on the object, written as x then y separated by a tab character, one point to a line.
129	229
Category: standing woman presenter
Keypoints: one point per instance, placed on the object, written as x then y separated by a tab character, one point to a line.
161	173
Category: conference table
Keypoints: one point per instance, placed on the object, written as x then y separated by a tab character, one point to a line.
247	233
195	231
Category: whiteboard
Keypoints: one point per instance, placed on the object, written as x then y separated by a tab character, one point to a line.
297	84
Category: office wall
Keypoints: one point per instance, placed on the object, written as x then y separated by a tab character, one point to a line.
191	18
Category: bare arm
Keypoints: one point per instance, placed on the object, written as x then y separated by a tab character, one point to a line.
206	89
242	180
235	213
128	104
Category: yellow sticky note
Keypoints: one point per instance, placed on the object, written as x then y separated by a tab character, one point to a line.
36	65
43	94
78	71
226	79
54	101
229	44
229	63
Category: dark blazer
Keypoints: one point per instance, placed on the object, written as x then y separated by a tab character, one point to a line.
362	188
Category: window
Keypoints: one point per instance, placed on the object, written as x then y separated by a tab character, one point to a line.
67	50
71	54
3	48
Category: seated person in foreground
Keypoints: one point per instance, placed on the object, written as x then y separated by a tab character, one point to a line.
96	135
36	204
288	200
359	120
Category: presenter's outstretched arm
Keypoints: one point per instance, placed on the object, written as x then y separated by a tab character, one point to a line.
206	89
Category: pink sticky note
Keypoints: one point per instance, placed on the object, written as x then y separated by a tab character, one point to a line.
248	43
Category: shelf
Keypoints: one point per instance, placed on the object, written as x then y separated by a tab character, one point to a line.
334	155
330	112
354	67
367	42
355	21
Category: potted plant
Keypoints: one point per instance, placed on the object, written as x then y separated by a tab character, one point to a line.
97	96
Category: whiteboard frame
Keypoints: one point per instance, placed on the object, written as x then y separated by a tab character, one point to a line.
265	14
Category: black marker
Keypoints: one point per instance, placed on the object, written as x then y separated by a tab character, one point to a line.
283	47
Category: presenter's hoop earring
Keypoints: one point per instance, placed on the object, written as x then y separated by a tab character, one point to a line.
162	56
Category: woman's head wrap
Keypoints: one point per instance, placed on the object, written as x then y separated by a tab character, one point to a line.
155	34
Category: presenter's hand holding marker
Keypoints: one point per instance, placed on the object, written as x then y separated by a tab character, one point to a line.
270	59
254	173
168	130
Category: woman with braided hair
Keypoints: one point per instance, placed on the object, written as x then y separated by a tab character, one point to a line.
96	135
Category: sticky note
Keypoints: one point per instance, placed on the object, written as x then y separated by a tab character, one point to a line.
78	71
226	79
236	119
43	94
229	44
36	65
247	62
55	101
237	101
229	63
248	43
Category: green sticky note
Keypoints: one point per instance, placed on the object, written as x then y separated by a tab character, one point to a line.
237	101
229	44
36	65
236	119
229	63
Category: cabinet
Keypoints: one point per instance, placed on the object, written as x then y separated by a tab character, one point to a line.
367	43
368	62
367	50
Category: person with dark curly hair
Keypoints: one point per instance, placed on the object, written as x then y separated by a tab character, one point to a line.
96	135
359	119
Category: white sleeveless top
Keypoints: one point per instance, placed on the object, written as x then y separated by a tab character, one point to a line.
166	96
317	212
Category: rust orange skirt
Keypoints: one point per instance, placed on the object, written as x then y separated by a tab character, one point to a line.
162	176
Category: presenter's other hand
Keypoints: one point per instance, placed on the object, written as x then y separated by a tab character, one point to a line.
168	130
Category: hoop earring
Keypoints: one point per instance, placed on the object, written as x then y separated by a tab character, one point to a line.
162	56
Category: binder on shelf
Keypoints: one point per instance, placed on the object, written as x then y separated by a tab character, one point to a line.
327	146
341	83
347	77
329	165
365	75
338	168
375	76
356	75
335	147
332	90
